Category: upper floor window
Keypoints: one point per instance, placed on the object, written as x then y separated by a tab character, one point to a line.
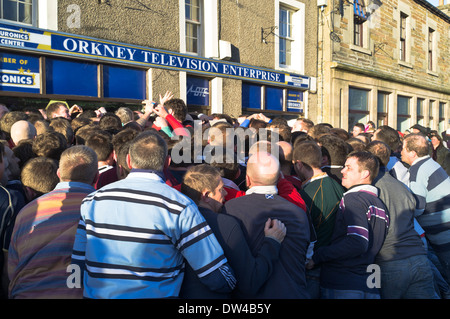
403	35
193	12
430	48
21	11
359	18
285	35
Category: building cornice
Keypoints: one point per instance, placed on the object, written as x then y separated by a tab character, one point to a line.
388	77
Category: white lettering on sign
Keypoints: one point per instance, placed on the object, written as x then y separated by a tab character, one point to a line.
99	49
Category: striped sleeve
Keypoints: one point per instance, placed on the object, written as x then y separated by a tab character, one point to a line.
79	246
354	230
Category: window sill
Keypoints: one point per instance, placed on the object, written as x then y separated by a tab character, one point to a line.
405	64
430	72
360	49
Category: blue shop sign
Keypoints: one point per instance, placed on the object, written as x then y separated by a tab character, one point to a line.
19	73
64	44
197	91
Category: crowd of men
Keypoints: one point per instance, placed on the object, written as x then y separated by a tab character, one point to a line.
169	204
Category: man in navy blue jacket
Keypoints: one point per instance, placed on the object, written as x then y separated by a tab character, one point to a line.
203	184
361	226
261	202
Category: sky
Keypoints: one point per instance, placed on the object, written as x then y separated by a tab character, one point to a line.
435	2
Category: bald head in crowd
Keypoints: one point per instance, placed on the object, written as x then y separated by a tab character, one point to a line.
22	130
263	169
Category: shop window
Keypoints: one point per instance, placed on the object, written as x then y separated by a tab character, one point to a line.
198	94
271	99
430	114
441	117
294	101
420	117
403	113
251	96
274	99
71	77
358	106
124	83
382	108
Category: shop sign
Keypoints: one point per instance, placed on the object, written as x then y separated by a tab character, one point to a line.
19	73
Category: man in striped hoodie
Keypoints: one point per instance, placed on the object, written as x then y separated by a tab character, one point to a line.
360	229
430	184
136	234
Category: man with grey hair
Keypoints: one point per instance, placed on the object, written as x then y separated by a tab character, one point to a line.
430	184
47	225
136	234
261	202
125	114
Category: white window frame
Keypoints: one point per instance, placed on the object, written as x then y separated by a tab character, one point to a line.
298	36
34	14
199	24
406	10
208	39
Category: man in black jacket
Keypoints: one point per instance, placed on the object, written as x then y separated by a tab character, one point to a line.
261	202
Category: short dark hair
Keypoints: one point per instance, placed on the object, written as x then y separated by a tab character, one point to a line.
380	150
100	142
49	144
39	174
178	107
389	136
309	153
367	161
335	148
52	108
110	122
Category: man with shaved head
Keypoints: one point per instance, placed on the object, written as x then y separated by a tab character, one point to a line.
22	130
261	202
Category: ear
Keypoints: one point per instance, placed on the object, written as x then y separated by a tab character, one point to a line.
248	181
58	173
129	161
167	161
205	196
365	174
115	156
29	193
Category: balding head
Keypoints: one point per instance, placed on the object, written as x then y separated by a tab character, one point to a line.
22	130
286	151
263	169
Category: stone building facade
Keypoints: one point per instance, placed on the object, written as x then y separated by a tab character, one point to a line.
245	39
384	61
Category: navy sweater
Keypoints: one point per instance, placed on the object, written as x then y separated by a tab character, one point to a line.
288	277
361	226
